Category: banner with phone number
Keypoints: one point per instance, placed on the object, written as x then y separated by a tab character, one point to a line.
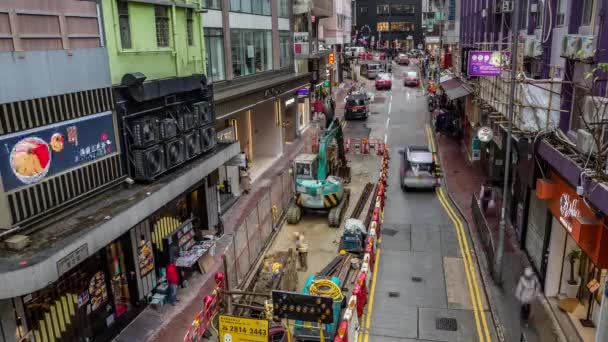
240	329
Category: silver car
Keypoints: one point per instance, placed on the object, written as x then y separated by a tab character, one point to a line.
417	168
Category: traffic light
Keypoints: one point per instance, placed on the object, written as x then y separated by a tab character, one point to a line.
332	58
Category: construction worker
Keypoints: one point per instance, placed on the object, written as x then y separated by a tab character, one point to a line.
302	249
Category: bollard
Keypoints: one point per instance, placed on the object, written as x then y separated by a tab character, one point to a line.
361	296
341	334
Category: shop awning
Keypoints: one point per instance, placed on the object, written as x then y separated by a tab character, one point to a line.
455	89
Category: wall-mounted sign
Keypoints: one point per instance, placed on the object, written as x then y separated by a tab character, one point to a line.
30	156
74	258
303	92
300	43
145	257
226	135
326	84
476	149
241	329
487	63
485	134
593	285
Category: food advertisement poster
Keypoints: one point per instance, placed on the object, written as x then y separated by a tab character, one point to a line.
30	156
97	291
487	63
146	258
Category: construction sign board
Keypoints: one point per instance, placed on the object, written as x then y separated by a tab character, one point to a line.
307	308
241	329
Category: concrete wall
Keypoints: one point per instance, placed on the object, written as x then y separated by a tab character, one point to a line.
179	59
52	72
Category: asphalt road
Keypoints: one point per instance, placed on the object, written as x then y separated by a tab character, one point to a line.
421	276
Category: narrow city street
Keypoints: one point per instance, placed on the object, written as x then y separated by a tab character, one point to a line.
421	276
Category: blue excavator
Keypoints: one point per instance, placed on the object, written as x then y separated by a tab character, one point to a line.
320	178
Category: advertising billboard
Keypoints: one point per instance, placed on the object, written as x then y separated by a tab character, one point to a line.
28	157
487	63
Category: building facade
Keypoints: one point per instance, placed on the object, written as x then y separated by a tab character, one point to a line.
558	199
112	162
387	22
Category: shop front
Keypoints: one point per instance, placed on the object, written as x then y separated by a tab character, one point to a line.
264	115
577	254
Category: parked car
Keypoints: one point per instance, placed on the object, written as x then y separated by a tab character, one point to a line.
356	106
383	81
411	79
402	59
370	70
417	168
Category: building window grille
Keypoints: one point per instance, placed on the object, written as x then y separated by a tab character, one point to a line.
190	26
123	23
161	14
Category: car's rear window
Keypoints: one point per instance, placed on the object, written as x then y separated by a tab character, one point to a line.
411	74
355	102
373	66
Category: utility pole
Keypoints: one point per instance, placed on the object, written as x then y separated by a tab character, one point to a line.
498	255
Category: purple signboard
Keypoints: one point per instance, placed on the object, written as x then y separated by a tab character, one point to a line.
487	63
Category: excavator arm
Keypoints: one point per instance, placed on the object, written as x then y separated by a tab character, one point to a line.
333	131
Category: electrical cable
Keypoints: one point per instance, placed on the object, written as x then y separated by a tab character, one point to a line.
550	22
326	288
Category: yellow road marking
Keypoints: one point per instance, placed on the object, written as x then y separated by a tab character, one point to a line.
471	265
370	308
467	269
463	243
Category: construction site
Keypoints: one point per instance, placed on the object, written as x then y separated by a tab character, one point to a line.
310	279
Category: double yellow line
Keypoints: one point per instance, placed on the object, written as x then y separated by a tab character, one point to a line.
480	316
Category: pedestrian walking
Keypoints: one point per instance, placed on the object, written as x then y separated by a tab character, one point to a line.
173	280
528	288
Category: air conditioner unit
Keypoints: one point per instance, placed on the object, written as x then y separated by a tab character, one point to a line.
537	48
498	6
585	142
208	138
168	128
595	109
587	48
204	112
192	142
533	8
174	152
149	163
570	46
507	6
529	45
144	132
190	120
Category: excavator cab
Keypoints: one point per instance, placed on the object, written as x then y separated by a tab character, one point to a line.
305	166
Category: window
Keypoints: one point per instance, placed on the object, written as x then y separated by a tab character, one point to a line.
212	4
214	51
540	15
251	51
382	9
382	26
402	26
364	9
283	8
561	11
161	14
261	7
399	9
123	23
587	12
285	48
190	26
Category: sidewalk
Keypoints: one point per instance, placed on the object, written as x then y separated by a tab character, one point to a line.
462	180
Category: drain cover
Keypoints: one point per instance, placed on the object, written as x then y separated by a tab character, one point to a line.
393	294
448	324
388	231
416	279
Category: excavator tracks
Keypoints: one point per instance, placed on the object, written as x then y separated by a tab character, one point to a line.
337	213
294	214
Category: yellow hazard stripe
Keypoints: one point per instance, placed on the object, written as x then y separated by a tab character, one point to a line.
326	202
333	198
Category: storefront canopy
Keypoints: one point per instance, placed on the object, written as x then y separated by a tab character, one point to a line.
455	89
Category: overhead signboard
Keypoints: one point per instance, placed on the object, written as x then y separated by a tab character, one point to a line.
307	308
487	63
241	329
30	156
